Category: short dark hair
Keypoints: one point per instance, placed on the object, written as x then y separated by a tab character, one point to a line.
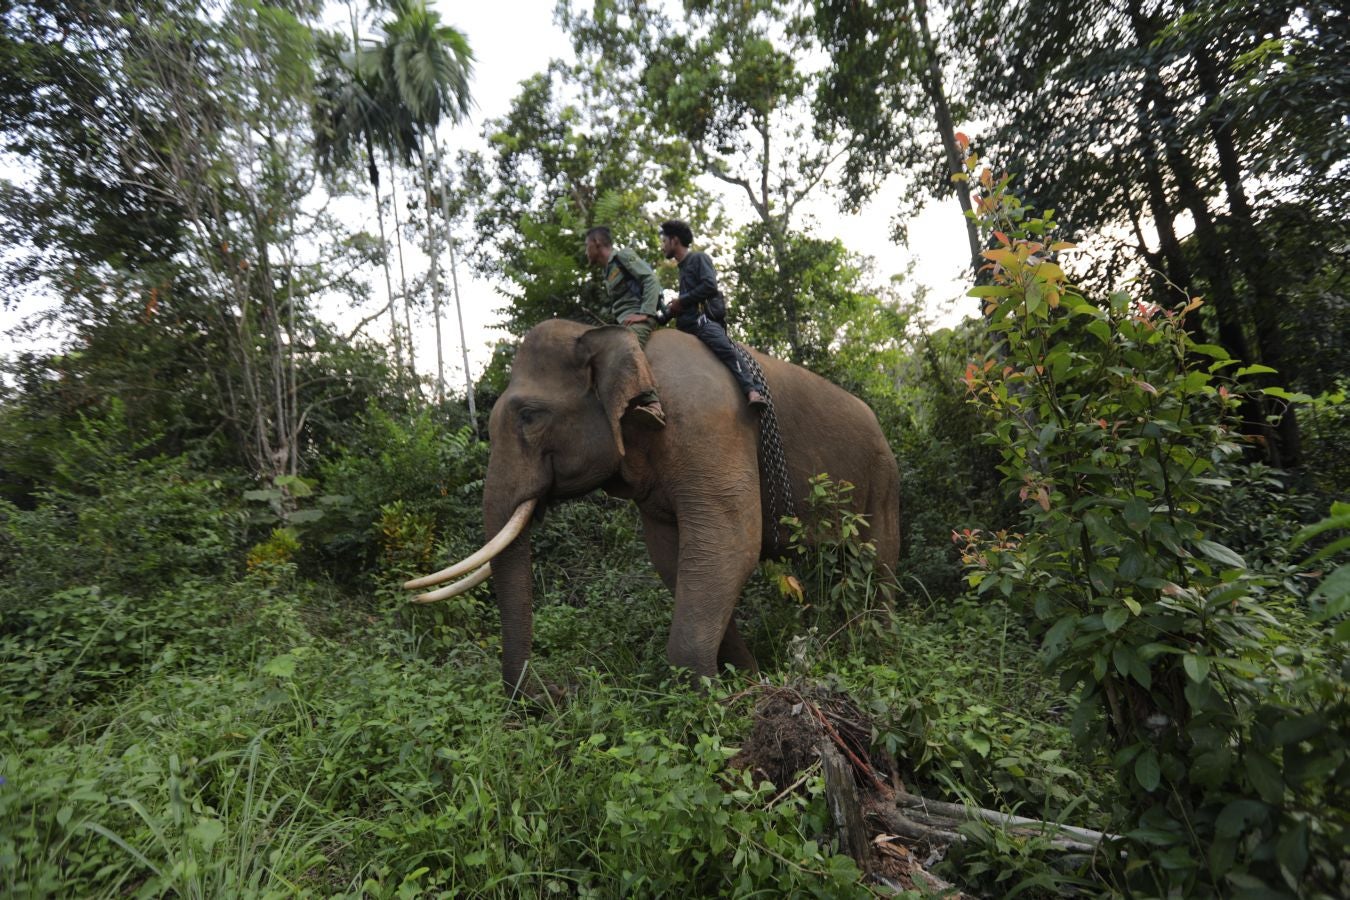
680	230
601	235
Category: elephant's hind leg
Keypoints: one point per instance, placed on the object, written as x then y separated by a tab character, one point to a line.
734	652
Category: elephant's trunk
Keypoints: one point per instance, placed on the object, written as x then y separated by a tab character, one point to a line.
506	556
513	582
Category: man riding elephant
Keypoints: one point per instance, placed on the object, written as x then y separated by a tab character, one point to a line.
701	310
634	296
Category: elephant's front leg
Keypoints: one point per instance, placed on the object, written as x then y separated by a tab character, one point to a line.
719	542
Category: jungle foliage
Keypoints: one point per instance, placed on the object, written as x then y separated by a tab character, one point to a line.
1122	598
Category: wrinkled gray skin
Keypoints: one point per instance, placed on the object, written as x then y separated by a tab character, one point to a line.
560	431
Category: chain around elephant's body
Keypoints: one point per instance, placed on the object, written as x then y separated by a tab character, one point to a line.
772	461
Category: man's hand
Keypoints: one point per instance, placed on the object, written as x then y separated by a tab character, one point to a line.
634	319
673	308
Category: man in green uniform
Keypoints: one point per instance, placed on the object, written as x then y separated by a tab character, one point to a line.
630	284
634	296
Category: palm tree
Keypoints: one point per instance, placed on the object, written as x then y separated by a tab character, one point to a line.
348	116
425	68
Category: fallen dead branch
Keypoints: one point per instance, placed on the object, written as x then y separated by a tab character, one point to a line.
796	729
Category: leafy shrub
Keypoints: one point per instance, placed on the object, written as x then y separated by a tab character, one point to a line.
277	550
1116	430
143	525
828	580
101	582
433	473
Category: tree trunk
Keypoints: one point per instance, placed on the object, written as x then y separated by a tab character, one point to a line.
373	172
841	797
947	130
435	273
454	283
1214	263
1266	297
403	275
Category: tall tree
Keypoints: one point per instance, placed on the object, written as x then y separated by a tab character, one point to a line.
193	119
887	86
425	68
727	78
350	116
1138	114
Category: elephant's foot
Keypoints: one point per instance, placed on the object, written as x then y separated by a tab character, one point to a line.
733	651
542	699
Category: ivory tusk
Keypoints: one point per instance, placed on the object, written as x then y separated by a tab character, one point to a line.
510	531
458	587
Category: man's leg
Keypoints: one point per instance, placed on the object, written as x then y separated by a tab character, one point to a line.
715	336
646	404
642	330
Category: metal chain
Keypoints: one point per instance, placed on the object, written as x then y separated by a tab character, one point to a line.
772	461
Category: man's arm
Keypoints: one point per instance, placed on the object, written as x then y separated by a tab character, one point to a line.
699	282
651	293
650	287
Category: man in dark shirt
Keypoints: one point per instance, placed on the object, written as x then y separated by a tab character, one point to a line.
701	309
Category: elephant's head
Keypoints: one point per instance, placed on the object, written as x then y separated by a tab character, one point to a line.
556	433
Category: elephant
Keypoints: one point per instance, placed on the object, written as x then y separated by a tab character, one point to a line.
560	431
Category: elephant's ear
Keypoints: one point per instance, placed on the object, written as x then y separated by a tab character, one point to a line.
619	371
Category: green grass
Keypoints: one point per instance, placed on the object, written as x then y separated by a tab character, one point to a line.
268	736
388	763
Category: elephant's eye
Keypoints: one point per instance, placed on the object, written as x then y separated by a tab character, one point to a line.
530	415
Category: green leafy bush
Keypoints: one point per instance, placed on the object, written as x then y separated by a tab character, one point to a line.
1223	703
106	580
432	473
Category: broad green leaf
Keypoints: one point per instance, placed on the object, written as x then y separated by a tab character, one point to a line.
1146	770
1234	817
1101	330
1136	514
295	484
1213	351
1264	775
1335	548
1221	554
990	290
977	742
207	831
1196	666
1115	617
1059	632
1336	521
1292	848
1282	394
1254	370
1335	590
282	666
1211	768
1299	728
